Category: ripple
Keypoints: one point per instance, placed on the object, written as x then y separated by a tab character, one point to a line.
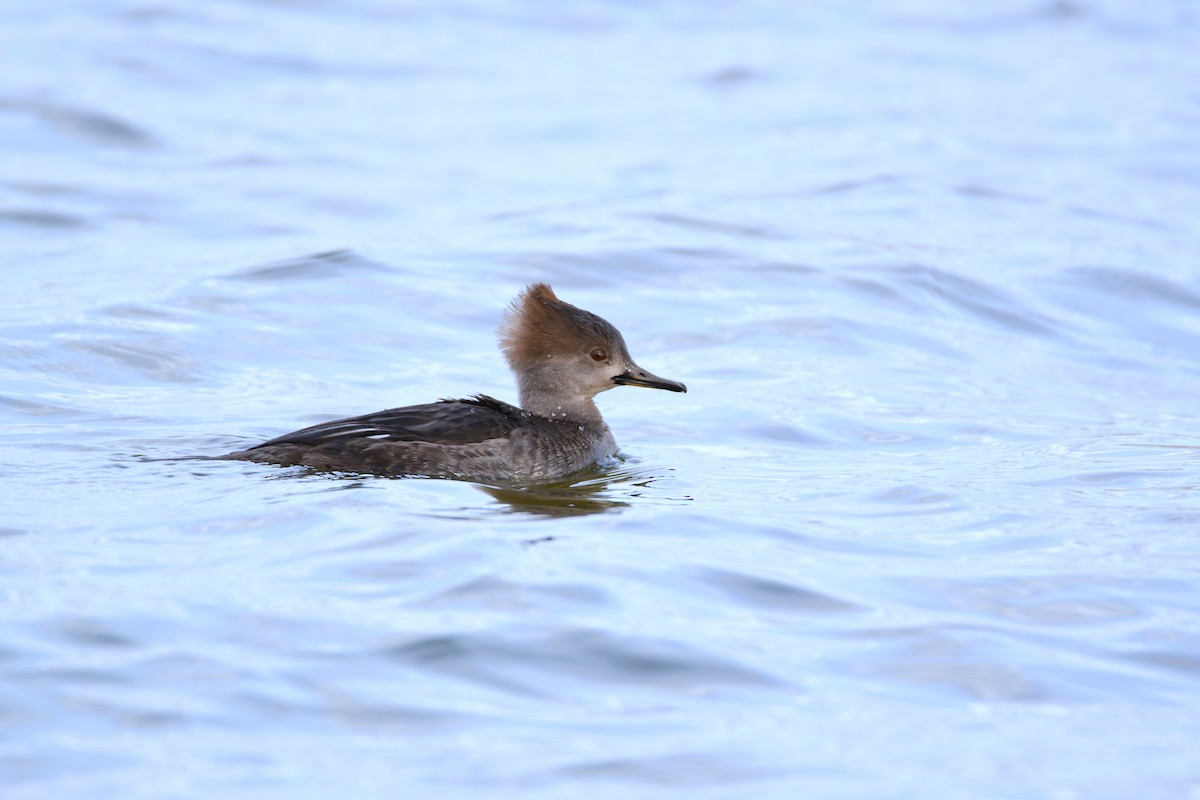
157	360
37	407
694	771
711	225
318	266
1068	601
98	127
37	218
783	433
589	657
1185	664
1138	288
93	633
733	76
984	302
768	594
493	593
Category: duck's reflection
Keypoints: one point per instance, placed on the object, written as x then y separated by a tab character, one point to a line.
592	492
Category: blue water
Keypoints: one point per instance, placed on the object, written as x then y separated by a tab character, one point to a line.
925	525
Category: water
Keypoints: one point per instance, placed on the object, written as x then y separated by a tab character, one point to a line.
924	525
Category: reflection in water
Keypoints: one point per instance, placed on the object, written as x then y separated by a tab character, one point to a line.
591	493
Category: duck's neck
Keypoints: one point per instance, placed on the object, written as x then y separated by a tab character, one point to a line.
549	401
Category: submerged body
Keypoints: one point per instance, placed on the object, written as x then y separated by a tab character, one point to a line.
562	356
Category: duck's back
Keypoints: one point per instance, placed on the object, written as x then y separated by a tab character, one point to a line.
478	438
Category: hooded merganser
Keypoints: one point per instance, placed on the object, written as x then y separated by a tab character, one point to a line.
563	356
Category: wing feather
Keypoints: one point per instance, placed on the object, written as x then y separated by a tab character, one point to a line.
449	422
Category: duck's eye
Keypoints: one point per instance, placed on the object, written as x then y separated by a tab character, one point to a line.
599	355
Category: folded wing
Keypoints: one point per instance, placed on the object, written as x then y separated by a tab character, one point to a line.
448	422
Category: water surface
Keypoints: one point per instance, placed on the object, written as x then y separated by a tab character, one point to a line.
924	525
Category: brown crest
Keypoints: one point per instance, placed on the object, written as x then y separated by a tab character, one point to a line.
538	326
